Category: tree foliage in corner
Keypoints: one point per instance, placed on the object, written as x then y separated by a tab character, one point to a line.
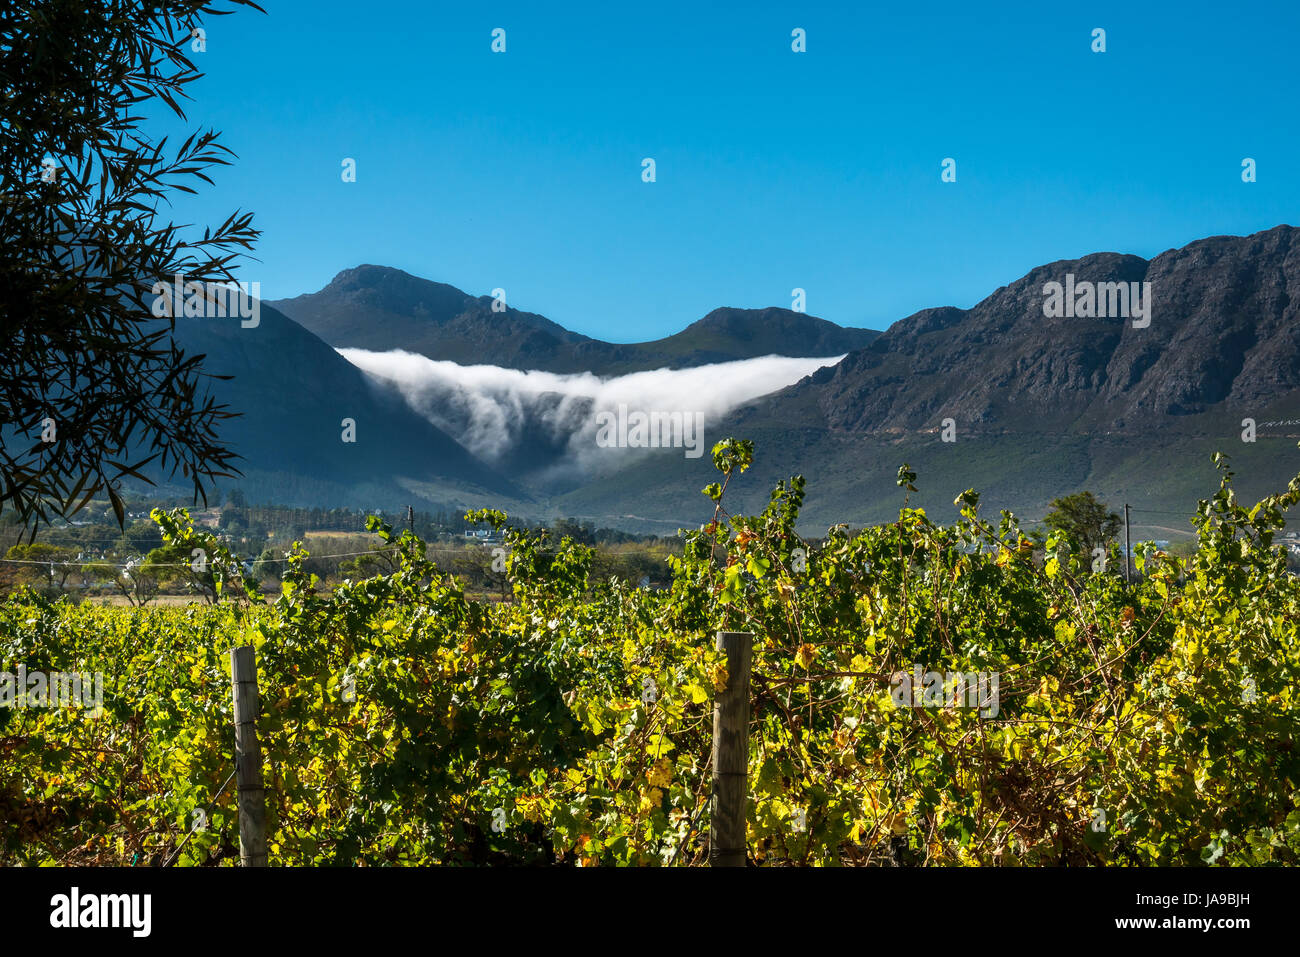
92	386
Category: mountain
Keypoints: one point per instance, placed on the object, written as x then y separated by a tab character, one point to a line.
379	308
294	392
727	333
1041	406
1223	338
1038	403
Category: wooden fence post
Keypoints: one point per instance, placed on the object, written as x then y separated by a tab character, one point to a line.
731	755
248	758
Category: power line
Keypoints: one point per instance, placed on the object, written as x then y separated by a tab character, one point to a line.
129	565
467	552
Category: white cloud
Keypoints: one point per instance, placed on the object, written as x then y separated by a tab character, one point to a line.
491	410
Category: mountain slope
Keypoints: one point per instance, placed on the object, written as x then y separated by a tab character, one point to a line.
1041	407
728	333
294	392
379	308
1224	337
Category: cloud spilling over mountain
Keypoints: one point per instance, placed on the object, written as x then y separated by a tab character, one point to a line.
1042	404
295	396
1039	405
546	424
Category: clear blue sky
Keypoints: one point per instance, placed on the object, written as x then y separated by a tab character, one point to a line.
775	169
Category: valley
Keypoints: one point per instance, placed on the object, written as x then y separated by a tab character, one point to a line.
459	406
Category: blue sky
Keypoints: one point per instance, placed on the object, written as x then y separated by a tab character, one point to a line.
775	169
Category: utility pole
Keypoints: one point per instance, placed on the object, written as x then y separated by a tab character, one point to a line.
1128	549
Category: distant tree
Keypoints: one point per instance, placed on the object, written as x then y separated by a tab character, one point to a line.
43	563
138	537
178	563
1085	519
581	532
232	521
269	564
138	582
378	560
93	387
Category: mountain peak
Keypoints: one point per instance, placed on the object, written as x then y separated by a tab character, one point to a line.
379	308
1218	338
772	330
367	274
390	290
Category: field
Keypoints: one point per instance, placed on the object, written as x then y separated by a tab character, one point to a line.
406	722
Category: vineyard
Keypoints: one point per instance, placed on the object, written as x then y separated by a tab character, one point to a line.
1144	723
